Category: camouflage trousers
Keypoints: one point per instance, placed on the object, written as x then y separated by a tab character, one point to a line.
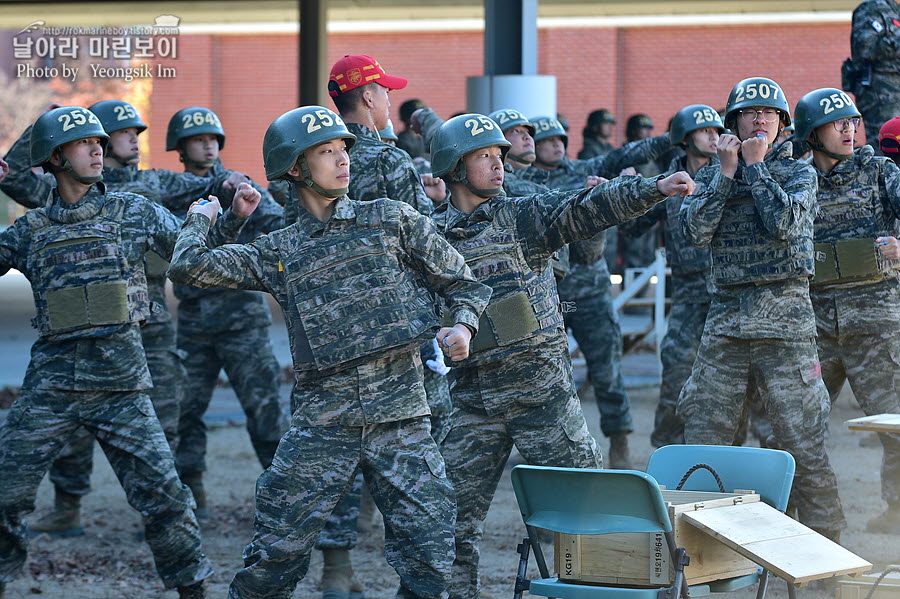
677	351
254	373
871	363
595	327
476	450
341	529
312	471
71	470
125	425
788	376
878	107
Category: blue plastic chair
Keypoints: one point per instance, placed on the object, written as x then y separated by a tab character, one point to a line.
590	502
768	472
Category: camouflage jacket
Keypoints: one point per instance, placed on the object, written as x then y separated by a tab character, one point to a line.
573	174
594	147
690	265
542	225
859	198
379	170
412	240
213	311
875	38
115	362
588	271
783	195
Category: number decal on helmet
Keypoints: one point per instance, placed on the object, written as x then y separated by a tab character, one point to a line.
320	119
835	101
124	112
756	89
76	118
198	118
704	116
486	124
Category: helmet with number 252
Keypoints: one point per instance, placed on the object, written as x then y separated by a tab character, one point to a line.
60	126
460	135
295	131
693	117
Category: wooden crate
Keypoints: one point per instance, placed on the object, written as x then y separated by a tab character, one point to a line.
859	587
642	560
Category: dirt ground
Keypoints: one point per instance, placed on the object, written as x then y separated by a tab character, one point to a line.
110	563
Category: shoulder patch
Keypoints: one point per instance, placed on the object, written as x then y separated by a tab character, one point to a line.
877	26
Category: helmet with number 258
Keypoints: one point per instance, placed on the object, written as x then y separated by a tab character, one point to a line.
295	131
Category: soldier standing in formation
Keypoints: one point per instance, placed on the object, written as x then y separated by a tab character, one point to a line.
83	253
875	48
856	289
755	211
696	128
70	472
222	329
597	133
517	388
355	281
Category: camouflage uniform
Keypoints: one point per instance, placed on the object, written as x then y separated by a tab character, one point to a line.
71	471
91	375
358	386
760	330
858	317
875	43
517	387
690	304
594	322
229	329
594	147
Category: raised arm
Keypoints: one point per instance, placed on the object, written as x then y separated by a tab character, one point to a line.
21	184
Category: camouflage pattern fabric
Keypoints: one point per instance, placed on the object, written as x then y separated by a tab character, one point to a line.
412	144
370	414
529	383
875	41
858	322
96	383
594	147
762	335
379	170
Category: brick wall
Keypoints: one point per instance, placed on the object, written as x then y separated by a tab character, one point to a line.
249	80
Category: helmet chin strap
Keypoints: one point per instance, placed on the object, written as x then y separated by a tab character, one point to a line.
67	167
693	147
459	176
190	162
308	182
817	146
524	158
123	160
552	163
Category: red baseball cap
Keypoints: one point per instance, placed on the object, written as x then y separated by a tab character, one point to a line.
356	70
890	133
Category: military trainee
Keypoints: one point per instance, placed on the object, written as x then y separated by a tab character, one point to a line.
596	134
517	387
360	89
696	128
594	322
237	338
856	289
755	211
875	48
83	255
355	281
70	472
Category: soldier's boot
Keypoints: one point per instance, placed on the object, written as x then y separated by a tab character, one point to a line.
194	481
887	522
366	520
338	580
619	457
64	520
192	591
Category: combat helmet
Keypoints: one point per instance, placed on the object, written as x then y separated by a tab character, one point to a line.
60	126
457	137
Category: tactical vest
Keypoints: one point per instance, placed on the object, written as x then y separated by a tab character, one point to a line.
744	252
83	285
524	303
851	215
682	255
350	299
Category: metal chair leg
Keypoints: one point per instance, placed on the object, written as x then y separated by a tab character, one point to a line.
763	584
